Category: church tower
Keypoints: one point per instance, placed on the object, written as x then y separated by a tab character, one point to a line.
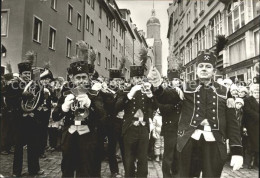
154	32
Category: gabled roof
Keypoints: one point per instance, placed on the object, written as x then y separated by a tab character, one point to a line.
106	8
129	29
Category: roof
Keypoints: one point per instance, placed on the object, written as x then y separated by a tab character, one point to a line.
153	20
129	29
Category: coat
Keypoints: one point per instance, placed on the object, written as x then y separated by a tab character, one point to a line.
251	121
209	102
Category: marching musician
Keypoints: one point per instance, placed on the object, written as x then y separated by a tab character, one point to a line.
44	110
26	122
205	124
114	118
138	109
170	111
83	112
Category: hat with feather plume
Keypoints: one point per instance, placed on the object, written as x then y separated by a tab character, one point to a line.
27	63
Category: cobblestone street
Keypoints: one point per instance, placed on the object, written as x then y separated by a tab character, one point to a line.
51	166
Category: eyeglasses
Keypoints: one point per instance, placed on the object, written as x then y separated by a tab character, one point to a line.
84	77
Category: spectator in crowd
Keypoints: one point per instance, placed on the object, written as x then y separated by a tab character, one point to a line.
242	92
251	115
234	91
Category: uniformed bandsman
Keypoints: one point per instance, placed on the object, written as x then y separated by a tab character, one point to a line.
83	111
138	108
205	124
170	110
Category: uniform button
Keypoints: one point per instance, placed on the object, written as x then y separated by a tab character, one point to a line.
133	112
142	94
214	96
198	96
213	118
194	122
198	101
133	107
214	103
170	121
197	115
198	108
133	98
213	110
215	125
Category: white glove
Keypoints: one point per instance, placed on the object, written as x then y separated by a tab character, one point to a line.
180	93
97	86
133	90
230	103
84	100
236	162
46	90
67	102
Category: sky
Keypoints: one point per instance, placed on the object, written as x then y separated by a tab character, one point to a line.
141	11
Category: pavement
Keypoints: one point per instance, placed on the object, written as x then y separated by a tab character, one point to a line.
52	167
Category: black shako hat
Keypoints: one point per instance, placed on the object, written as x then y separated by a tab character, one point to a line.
24	66
136	71
78	67
206	56
115	73
171	74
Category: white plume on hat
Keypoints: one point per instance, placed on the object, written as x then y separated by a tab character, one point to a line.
227	81
254	87
239	100
154	77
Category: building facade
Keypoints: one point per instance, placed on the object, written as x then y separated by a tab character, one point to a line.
49	28
195	25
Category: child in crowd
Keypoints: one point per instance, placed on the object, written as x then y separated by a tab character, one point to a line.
159	142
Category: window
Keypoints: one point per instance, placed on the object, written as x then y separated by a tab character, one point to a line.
190	73
52	38
195	9
255	5
202	5
87	22
54	4
237	52
92	27
106	42
116	62
256	38
113	60
215	28
201	40
100	12
117	26
119	48
68	51
109	44
236	16
4	23
37	30
79	22
93	4
70	9
77	49
109	63
99	35
180	6
188	19
189	51
181	29
182	55
106	63
114	41
99	59
88	1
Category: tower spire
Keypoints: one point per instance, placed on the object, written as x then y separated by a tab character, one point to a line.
153	10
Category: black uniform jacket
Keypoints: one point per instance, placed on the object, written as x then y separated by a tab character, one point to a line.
96	115
209	102
130	107
170	107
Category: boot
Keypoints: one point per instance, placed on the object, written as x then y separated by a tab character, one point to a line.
252	162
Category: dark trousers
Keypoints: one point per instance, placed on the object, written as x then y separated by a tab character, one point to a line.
169	163
53	136
114	136
44	122
78	154
199	156
27	133
136	141
7	130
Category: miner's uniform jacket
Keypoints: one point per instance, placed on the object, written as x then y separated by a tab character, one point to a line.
202	103
130	107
